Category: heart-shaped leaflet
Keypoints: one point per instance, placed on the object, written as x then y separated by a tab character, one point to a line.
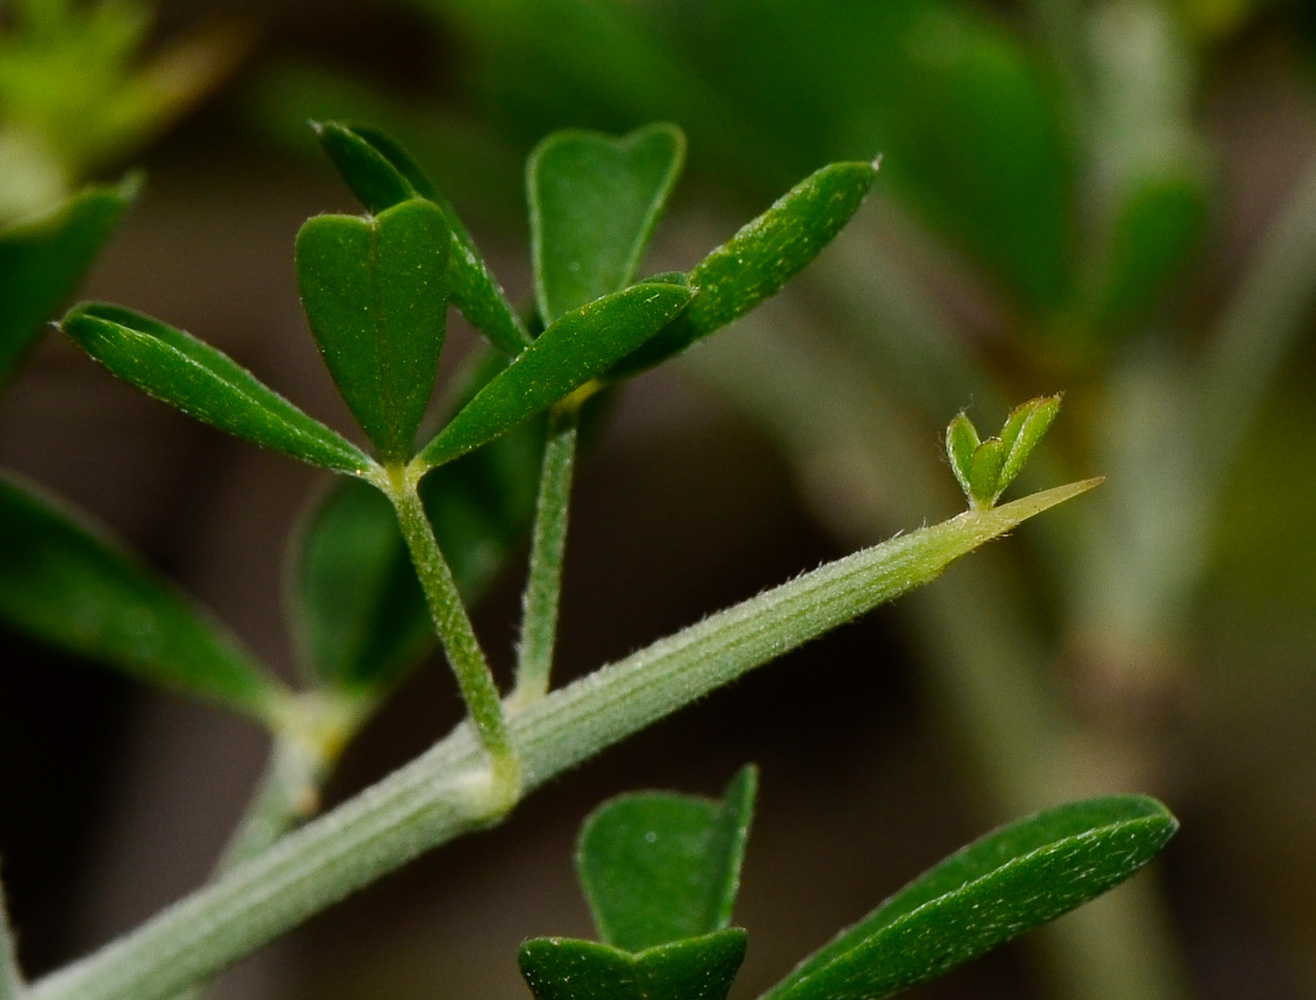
375	290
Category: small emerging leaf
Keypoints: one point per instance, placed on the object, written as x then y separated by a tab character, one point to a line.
961	442
580	346
985	468
178	369
1010	881
658	867
755	263
985	473
67	584
594	202
375	291
1024	428
42	262
700	968
382	174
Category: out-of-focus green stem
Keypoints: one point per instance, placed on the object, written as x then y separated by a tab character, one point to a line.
11	977
547	549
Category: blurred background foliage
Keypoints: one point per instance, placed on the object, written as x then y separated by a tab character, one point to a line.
1114	198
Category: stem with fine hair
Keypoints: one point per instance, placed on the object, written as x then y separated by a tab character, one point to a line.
455	631
543	591
445	792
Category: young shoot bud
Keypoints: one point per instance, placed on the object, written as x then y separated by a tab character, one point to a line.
985	468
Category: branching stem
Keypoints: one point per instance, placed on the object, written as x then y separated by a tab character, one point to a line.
457	635
445	792
544	585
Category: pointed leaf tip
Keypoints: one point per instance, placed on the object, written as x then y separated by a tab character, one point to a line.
658	867
1008	882
377	183
177	368
761	257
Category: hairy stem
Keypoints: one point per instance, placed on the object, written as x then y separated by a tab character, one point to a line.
11	977
544	586
456	632
444	793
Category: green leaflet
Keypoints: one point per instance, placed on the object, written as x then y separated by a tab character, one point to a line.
375	291
755	263
69	585
998	887
42	262
700	968
382	174
580	346
175	367
659	867
594	202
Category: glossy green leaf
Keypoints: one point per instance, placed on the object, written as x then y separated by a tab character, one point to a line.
359	611
42	262
375	291
580	346
382	174
594	202
755	263
175	367
65	582
700	968
658	867
998	887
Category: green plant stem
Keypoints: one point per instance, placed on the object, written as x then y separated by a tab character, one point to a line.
455	631
544	586
11	977
445	792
